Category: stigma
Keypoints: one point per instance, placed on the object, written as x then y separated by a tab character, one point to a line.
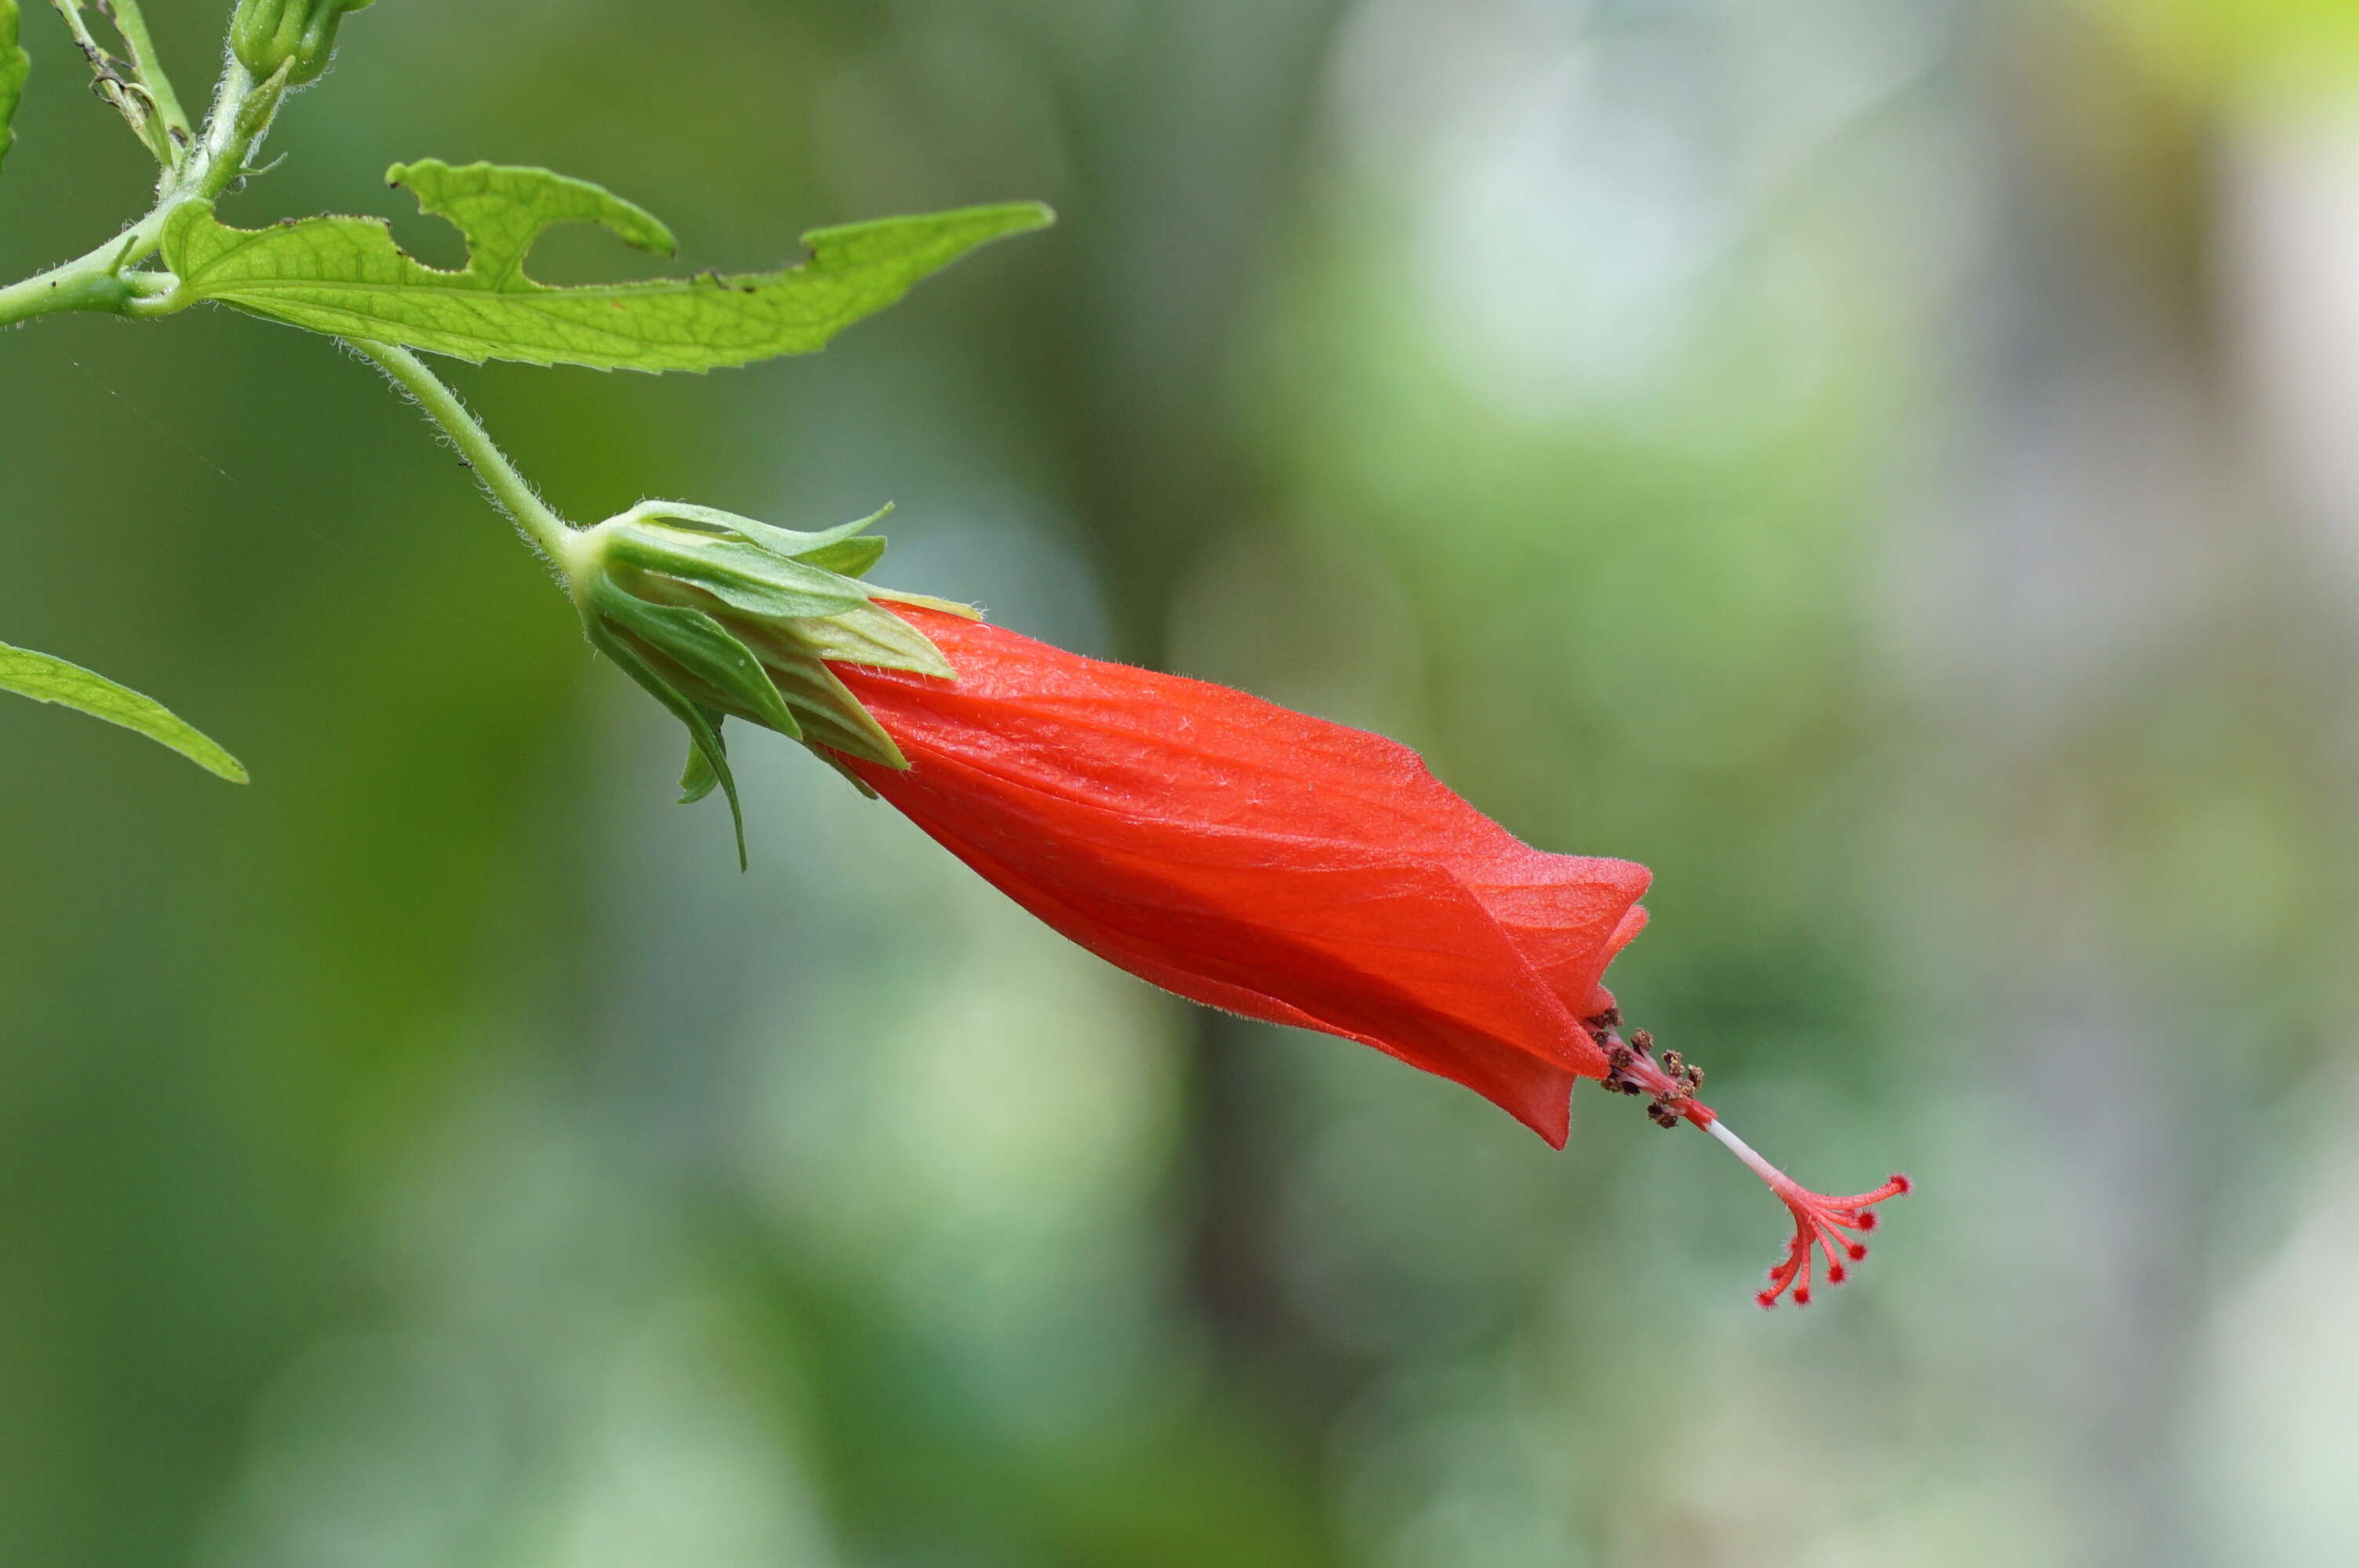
1823	1225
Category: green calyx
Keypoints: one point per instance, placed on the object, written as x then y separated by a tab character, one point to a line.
719	616
296	36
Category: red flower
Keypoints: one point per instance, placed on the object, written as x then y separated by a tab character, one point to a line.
1252	859
1294	871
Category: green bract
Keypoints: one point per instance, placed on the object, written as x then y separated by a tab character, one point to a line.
46	678
347	276
14	64
296	34
719	615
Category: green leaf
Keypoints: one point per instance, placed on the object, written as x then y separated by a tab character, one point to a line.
47	679
346	276
15	66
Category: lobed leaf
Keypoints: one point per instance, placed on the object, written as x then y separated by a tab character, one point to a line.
15	66
45	678
346	276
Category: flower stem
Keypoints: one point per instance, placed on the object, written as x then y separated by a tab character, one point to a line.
93	282
544	529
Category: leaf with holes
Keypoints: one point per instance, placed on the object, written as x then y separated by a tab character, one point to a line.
347	276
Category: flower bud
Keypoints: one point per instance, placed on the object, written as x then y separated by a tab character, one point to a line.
300	34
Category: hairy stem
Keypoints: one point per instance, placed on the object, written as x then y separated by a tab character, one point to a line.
544	529
100	279
93	282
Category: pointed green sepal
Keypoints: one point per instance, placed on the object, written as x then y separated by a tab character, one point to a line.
696	775
833	719
848	558
791	543
736	571
703	730
874	636
703	648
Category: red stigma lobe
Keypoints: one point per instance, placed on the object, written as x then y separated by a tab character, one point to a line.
1821	1224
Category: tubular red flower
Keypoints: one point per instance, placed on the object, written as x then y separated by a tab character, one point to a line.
1259	859
1289	870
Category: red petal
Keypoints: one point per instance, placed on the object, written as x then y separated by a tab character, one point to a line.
1393	953
1258	859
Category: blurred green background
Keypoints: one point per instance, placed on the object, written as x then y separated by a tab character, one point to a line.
1890	465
